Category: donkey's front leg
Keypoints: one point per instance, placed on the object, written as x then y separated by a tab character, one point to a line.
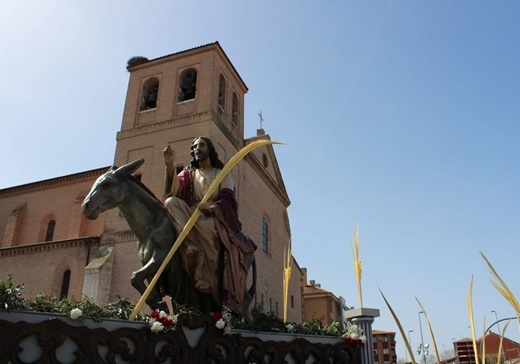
148	271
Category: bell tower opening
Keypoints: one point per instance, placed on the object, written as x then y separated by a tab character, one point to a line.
188	85
222	94
149	95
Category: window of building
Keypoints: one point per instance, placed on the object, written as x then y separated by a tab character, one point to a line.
49	235
188	85
375	351
234	110
65	283
222	93
265	232
385	351
150	93
384	338
265	160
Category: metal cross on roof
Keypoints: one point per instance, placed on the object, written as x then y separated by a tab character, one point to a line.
261	118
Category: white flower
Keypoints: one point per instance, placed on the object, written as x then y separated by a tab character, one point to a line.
226	314
75	313
157	327
163	314
289	327
354	336
220	324
363	339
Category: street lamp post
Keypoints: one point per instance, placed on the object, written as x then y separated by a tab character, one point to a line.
410	343
422	347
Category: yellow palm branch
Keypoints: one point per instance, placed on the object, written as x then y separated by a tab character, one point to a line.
471	321
358	267
501	340
286	278
408	348
193	219
431	331
484	342
503	288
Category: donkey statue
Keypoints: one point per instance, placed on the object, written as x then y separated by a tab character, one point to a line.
152	224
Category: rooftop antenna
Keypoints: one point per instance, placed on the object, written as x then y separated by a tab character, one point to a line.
261	118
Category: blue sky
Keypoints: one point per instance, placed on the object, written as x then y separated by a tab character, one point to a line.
402	116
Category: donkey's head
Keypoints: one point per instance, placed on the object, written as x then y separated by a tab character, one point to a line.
109	190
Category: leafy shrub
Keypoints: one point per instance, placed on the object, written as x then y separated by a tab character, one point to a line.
10	295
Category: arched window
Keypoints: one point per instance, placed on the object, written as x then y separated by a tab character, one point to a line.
265	237
234	111
65	283
222	93
188	85
265	160
150	93
49	235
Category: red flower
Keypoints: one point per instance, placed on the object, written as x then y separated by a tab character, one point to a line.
166	323
354	341
155	314
217	316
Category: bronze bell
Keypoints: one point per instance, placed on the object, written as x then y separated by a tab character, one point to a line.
152	100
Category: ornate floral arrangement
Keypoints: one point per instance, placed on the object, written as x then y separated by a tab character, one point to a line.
160	321
354	334
223	320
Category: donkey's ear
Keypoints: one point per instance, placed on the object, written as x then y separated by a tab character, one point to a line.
129	168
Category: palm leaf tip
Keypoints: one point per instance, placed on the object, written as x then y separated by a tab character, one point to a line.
502	287
401	330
